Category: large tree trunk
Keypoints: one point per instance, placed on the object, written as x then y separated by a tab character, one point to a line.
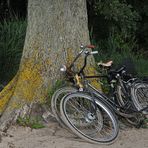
55	31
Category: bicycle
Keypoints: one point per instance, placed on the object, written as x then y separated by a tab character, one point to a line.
58	94
100	105
111	120
55	101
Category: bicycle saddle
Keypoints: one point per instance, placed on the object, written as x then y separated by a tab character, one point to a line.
107	64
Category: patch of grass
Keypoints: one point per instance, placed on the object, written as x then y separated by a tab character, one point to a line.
145	123
12	36
58	84
33	123
141	66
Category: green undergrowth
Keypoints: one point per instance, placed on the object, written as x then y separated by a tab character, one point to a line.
145	123
12	36
116	49
32	122
58	84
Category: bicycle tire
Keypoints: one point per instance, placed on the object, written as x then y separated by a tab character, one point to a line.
55	101
139	95
121	98
88	120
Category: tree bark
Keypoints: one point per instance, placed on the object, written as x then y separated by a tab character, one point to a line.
55	31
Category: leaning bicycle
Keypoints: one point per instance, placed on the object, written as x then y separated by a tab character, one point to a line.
99	122
90	114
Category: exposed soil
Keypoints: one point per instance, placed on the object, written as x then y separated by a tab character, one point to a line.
53	136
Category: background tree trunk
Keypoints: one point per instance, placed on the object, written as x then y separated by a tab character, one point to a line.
55	31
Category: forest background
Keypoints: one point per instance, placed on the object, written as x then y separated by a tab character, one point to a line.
118	28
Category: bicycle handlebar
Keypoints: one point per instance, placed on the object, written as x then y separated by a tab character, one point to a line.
94	52
83	51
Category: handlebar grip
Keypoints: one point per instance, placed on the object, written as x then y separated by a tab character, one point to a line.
90	46
94	52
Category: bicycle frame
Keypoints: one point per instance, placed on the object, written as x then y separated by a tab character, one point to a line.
108	101
96	94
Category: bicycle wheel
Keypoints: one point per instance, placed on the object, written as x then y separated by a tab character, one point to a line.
124	101
121	98
55	101
139	93
92	122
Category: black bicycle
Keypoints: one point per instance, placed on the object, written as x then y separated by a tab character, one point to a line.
88	112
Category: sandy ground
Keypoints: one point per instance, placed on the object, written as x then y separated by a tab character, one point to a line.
54	136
